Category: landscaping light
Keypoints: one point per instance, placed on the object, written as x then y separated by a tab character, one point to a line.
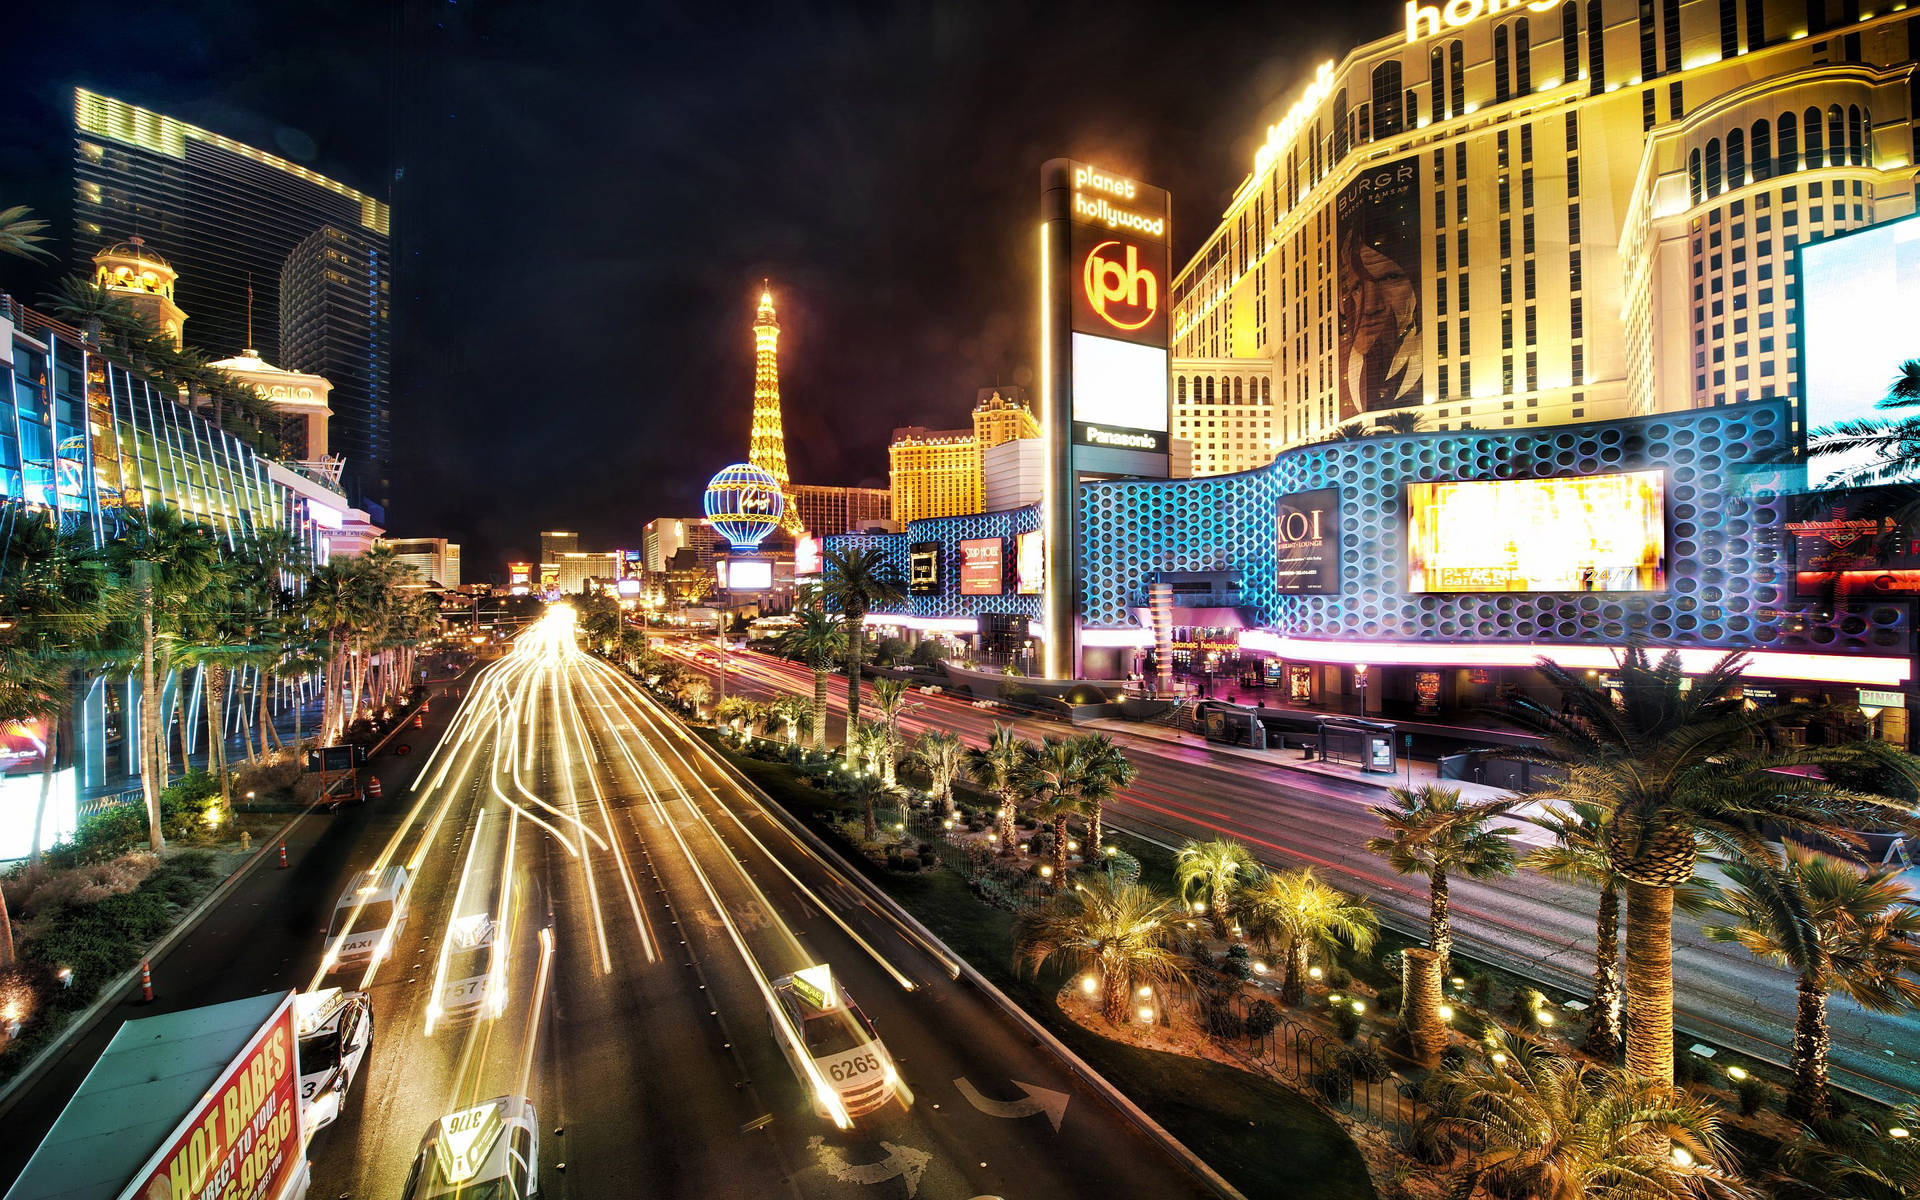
1446	1012
1736	1073
1499	1060
1199	906
1681	1158
1314	972
1259	968
1109	850
1897	1132
1359	1006
11	1013
1456	981
1145	992
1073	845
1334	998
1146	1014
1088	985
65	976
1544	1017
1046	871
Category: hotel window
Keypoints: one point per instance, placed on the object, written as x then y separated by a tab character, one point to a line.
1760	143
1441	334
1526	234
1787	151
1506	329
1596	50
1439	251
1457	77
1569	42
1576	318
1466	344
1649	43
1502	82
1523	56
1579	364
1646	110
1386	99
1526	187
1736	158
1506	237
1729	28
1528	272
1673	34
1573	222
1436	67
1676	101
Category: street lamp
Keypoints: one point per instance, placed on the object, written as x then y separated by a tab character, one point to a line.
1360	682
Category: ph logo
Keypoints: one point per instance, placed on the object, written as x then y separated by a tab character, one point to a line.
1119	288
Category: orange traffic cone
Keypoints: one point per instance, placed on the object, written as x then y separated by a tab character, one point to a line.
146	982
373	787
283	854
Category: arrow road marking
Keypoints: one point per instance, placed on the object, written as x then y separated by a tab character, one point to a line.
902	1161
751	916
1038	1100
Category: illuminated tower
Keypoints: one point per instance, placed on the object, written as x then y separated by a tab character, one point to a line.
768	448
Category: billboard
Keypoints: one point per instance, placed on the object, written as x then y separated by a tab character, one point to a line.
806	556
1029	562
1858	294
1860	542
1119	268
1118	387
923	573
243	1142
1592	533
1382	352
749	574
982	569
1306	544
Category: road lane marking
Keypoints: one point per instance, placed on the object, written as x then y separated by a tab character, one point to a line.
905	1163
1039	1100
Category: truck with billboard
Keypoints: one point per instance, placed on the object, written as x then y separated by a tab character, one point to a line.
203	1102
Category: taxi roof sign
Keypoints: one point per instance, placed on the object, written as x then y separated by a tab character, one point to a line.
313	1009
815	985
466	1138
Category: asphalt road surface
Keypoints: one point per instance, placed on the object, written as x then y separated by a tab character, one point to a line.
586	874
1529	923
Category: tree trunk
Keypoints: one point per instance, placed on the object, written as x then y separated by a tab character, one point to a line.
1603	1036
1807	1099
216	683
46	788
887	772
820	682
1439	924
1003	821
1060	850
1095	854
246	708
1649	982
1420	1005
1115	991
856	647
1293	985
149	711
872	826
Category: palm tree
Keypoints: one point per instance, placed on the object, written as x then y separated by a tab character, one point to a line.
820	641
942	755
1292	913
869	791
857	581
795	714
1352	431
1107	771
21	233
1212	873
1432	832
216	637
1893	443
1853	1158
1122	932
1054	782
1580	852
999	767
1673	767
1839	928
169	562
890	703
1402	420
1534	1124
694	691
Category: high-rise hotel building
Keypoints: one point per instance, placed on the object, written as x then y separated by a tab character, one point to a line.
275	260
1508	213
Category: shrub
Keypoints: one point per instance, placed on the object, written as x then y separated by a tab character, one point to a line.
1454	1057
1389	998
1369	1065
1334	1084
1347	1022
1338	977
1262	1019
1480	988
1686	1068
1755	1094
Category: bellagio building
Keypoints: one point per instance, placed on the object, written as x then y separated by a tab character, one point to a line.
1510	214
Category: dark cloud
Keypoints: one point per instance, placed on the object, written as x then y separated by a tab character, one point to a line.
591	194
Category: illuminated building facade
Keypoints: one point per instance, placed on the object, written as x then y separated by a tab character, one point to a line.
664	537
939	473
433	561
1508	214
136	273
1224	409
825	509
299	398
239	222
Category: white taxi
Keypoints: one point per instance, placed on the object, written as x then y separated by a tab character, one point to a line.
472	971
845	1066
335	1032
368	919
488	1152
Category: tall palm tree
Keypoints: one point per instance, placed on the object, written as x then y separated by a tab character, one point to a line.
1580	852
999	767
820	641
942	755
890	703
1432	832
1293	913
217	637
1401	420
1853	1158
1894	443
1212	873
795	714
1534	1124
1836	926
1107	770
1054	782
169	562
22	234
1122	932
1674	767
857	581
870	791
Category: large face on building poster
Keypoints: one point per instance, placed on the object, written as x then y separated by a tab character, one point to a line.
1382	365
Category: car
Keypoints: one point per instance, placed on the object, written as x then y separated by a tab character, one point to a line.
488	1152
335	1029
368	919
846	1066
472	975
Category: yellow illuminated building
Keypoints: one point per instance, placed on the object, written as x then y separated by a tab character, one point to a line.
768	444
942	473
144	280
1539	213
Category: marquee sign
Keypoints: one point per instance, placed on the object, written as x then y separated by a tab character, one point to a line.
1306	544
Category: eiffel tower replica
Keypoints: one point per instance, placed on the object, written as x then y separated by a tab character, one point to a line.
768	449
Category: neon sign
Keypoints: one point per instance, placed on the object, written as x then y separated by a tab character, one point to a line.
1455	13
1120	282
1281	133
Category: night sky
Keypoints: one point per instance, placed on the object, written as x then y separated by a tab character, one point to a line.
588	195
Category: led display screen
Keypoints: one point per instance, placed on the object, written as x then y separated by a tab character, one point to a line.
1594	533
982	569
1119	390
806	555
1857	542
1858	296
749	575
1306	544
1029	563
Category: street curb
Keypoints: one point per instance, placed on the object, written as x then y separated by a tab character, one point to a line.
115	991
1074	1064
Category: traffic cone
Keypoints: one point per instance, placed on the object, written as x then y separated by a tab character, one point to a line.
419	721
146	982
373	787
283	854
